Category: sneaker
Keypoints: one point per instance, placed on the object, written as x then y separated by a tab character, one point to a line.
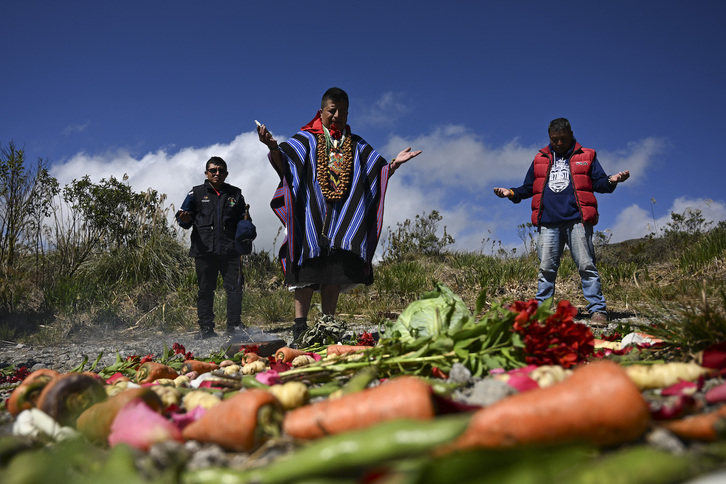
205	333
599	319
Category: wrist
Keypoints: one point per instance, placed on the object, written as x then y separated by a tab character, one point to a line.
274	147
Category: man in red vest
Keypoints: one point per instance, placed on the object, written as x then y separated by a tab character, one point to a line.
562	182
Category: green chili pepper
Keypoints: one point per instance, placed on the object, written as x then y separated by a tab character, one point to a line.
361	379
347	452
324	390
249	381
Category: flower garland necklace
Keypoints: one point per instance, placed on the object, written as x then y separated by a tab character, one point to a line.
334	190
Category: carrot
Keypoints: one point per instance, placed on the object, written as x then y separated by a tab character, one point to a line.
240	423
346	349
697	427
152	371
95	422
250	357
286	355
66	396
597	404
26	394
402	397
199	366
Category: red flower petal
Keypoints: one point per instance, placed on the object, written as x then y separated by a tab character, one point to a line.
715	356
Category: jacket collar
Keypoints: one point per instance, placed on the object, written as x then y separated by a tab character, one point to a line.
209	186
548	151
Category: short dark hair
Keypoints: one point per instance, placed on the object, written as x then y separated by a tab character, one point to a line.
216	160
334	94
559	124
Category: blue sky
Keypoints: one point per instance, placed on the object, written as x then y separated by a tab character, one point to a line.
154	88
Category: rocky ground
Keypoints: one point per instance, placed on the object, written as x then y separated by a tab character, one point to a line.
68	355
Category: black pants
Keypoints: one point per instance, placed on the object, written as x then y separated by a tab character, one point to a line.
208	266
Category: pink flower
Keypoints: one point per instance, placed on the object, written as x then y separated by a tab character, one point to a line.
269	377
139	426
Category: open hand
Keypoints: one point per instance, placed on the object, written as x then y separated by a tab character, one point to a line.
620	176
403	157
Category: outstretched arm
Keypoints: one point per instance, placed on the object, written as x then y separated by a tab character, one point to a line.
275	155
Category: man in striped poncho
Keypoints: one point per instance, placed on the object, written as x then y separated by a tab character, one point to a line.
330	200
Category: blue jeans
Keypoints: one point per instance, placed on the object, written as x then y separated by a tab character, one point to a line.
550	244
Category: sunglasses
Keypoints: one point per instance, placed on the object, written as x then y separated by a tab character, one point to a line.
214	171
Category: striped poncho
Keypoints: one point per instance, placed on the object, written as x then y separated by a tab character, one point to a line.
354	223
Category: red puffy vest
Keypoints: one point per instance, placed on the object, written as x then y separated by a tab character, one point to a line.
580	165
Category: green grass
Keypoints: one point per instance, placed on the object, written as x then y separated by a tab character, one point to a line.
153	285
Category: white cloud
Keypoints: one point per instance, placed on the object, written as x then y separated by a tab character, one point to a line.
175	174
454	157
454	175
635	222
637	157
383	112
75	128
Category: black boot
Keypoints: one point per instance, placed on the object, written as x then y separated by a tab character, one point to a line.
298	329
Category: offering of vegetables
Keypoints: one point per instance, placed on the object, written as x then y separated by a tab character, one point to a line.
95	422
26	395
241	422
152	371
598	404
401	397
198	366
67	396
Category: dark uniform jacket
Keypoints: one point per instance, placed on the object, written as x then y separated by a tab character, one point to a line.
214	219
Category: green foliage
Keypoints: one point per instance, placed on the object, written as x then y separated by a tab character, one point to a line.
403	280
709	248
270	306
526	232
25	200
25	195
417	237
116	214
492	273
108	256
618	273
693	326
689	222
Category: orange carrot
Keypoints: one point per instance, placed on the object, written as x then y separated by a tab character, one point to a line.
95	422
26	394
199	366
240	423
286	354
66	396
152	371
250	357
598	404
346	349
697	427
402	397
